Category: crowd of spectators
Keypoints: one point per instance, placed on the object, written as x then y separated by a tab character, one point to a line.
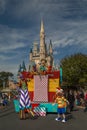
4	100
76	99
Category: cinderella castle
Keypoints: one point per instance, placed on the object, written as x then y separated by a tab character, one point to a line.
37	53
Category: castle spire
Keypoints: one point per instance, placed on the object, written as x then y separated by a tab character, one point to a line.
42	42
50	48
42	27
23	66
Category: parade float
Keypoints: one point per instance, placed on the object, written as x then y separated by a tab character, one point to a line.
42	88
43	78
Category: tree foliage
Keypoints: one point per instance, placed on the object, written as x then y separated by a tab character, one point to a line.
4	76
74	70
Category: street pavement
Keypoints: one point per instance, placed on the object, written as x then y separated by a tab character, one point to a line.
9	120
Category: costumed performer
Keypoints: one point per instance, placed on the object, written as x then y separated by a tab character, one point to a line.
24	99
62	103
43	66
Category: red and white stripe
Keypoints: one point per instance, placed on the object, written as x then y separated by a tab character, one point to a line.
40	111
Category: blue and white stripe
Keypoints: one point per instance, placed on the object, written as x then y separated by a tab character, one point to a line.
24	99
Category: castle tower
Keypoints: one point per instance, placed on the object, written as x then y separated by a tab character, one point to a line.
31	55
50	48
23	66
35	49
37	54
19	70
42	42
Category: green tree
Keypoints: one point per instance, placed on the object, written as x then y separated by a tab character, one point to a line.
4	76
74	70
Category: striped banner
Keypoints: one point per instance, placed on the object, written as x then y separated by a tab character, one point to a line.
41	88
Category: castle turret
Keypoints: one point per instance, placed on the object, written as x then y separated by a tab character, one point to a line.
50	48
31	55
35	49
19	70
23	67
42	42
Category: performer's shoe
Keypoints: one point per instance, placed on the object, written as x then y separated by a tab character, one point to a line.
64	120
58	119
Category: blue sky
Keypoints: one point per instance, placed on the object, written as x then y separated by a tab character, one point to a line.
65	24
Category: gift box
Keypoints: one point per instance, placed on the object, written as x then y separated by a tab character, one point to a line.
50	107
40	111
